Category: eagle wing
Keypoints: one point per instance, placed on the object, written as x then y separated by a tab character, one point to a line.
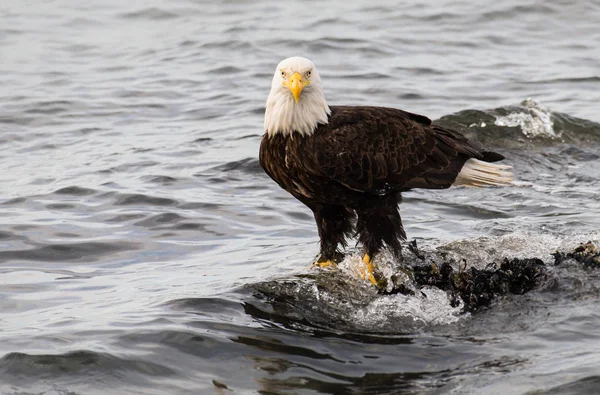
377	150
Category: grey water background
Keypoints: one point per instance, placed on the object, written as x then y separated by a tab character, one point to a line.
143	250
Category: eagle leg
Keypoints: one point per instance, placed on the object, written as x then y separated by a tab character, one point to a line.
334	223
379	222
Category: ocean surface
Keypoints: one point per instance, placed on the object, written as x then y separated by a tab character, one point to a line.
144	251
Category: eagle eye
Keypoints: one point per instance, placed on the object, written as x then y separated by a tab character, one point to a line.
282	74
308	73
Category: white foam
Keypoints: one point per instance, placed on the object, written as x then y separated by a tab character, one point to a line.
428	306
484	250
535	121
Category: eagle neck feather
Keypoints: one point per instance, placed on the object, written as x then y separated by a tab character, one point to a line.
283	115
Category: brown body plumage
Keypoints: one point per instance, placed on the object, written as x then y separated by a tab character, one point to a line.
355	167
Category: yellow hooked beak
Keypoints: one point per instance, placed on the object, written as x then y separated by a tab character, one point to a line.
295	84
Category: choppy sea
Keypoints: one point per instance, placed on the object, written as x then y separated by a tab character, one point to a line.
144	251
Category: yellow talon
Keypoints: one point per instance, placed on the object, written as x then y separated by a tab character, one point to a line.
369	272
324	264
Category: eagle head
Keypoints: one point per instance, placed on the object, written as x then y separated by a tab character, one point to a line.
296	102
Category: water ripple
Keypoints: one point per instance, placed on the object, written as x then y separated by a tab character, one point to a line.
85	251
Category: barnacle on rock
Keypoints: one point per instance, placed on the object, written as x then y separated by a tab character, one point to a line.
587	254
476	288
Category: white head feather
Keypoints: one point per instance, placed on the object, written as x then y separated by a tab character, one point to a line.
283	114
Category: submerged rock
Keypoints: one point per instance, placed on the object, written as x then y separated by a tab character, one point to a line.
427	288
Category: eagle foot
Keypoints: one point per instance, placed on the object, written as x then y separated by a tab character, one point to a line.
368	273
325	264
326	260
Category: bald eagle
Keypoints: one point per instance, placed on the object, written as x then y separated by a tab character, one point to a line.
350	164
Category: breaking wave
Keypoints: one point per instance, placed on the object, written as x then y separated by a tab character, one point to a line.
529	123
534	121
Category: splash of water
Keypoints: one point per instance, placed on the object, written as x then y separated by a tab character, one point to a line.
535	120
428	305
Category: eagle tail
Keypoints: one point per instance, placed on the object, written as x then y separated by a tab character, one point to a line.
477	173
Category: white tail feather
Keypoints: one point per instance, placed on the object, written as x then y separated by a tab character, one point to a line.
477	173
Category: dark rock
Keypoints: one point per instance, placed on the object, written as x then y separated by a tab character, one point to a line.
476	288
587	254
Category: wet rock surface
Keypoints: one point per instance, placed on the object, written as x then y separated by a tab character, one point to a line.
476	288
586	254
